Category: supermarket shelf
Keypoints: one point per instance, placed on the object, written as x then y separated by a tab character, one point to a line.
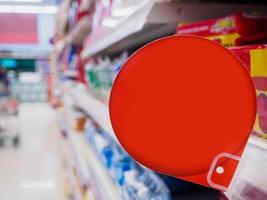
259	142
71	146
109	36
80	163
94	108
88	163
99	111
153	20
106	187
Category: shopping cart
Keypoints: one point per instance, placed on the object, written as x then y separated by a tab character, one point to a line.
9	121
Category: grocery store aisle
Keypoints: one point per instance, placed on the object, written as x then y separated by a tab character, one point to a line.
32	171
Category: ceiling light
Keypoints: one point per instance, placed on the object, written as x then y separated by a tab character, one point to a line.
28	9
22	1
30	1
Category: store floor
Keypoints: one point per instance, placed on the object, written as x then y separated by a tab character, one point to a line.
32	171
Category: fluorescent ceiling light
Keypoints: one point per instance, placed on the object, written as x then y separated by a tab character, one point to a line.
31	1
28	9
22	1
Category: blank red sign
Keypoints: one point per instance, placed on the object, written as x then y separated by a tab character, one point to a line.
179	102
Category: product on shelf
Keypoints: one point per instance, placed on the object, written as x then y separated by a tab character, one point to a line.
136	182
222	30
233	30
237	29
254	58
100	76
102	10
262	113
75	177
79	120
74	21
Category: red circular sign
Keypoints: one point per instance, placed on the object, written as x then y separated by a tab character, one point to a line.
180	101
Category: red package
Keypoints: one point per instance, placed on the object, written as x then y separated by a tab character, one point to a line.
233	30
221	30
252	28
262	112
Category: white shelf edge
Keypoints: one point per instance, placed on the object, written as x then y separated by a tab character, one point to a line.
111	191
259	142
151	13
88	160
130	25
100	112
96	109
